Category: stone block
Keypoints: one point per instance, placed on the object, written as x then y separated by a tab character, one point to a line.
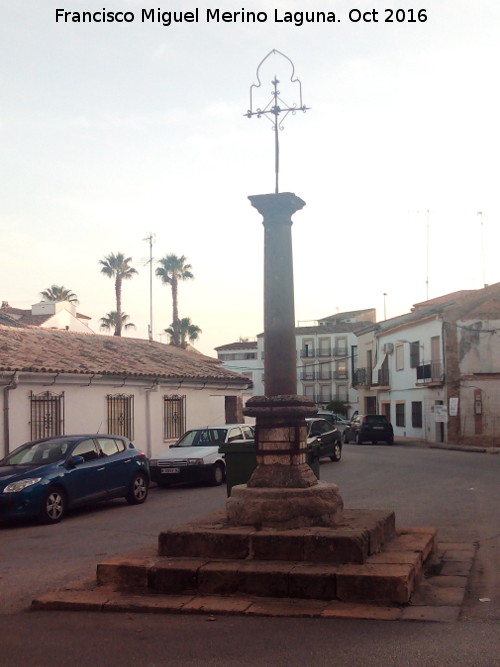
72	600
150	604
456	569
312	581
205	543
265	578
175	575
341	546
219	578
130	573
392	583
277	545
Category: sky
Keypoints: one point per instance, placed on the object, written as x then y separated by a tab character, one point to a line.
114	131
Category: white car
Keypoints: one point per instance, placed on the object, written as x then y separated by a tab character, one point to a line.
195	456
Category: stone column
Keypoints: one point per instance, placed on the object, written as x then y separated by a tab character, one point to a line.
283	490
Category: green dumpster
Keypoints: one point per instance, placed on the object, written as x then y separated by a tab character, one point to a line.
241	461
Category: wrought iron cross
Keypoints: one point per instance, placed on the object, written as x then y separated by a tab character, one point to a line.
275	107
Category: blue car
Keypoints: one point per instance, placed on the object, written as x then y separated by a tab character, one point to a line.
43	478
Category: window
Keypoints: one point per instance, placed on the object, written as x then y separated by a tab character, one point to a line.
400	414
341	370
87	449
414	354
234	434
341	347
110	446
416	414
248	433
47	415
121	415
324	347
400	359
174	416
342	392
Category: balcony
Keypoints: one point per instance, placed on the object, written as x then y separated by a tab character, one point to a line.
362	377
307	353
308	376
383	377
340	375
430	373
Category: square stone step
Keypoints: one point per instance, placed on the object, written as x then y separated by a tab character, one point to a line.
360	534
386	577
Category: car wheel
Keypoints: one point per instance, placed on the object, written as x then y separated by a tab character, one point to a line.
138	491
337	452
53	506
216	474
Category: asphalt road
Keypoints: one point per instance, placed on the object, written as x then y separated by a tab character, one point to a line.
455	491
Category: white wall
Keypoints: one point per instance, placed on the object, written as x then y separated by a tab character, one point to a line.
85	407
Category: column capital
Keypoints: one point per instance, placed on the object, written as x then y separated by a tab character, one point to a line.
274	206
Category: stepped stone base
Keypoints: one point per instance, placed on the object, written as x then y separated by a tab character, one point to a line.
209	565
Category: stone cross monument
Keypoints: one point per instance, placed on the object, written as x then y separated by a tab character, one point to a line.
283	490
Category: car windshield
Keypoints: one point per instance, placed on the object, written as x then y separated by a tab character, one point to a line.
38	453
203	437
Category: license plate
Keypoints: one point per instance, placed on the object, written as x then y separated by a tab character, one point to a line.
171	471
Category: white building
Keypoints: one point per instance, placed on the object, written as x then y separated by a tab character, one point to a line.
49	315
61	382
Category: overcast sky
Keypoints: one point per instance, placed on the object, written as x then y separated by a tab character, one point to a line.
110	131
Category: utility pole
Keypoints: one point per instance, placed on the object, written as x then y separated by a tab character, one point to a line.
150	239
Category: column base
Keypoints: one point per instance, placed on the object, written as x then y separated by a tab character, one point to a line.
285	508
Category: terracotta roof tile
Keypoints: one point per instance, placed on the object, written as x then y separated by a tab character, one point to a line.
39	350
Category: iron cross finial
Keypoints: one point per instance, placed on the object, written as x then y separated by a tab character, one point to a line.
275	107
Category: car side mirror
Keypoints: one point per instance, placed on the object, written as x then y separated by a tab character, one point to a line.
76	461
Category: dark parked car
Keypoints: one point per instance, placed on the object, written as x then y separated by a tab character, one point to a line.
369	428
330	441
44	478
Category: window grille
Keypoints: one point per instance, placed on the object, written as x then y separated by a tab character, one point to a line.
174	416
47	414
121	415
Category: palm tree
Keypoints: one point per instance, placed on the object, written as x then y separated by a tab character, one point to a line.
110	321
59	293
171	270
186	330
118	267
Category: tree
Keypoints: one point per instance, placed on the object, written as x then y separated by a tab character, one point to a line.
338	406
187	330
110	321
118	267
59	293
171	270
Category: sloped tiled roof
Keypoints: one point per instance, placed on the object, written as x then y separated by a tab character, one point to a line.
8	321
238	346
54	351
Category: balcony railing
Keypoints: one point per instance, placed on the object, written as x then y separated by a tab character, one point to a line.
430	372
340	375
362	377
308	375
307	353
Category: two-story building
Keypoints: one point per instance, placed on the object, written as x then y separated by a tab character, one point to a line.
435	372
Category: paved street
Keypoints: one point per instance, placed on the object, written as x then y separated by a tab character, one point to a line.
454	491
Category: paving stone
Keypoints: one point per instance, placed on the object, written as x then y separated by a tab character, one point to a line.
453	581
217	605
455	555
365	611
435	614
286	607
455	568
72	600
147	603
444	596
